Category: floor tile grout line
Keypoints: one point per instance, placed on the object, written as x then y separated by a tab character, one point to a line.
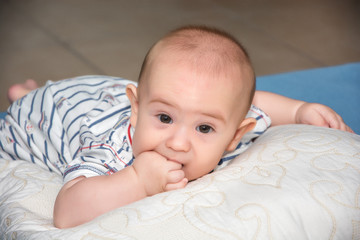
61	42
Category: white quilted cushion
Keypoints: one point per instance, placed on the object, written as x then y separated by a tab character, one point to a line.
295	182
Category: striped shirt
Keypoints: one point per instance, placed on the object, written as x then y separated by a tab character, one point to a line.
81	127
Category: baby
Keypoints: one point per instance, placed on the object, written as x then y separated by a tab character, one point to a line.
188	114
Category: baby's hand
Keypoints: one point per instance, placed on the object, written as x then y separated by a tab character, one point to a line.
320	115
157	174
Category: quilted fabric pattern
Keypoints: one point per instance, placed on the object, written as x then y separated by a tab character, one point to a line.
295	182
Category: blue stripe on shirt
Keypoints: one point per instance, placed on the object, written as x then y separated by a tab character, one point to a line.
62	142
79	85
108	116
51	121
78	103
42	99
10	155
73	137
74	120
32	104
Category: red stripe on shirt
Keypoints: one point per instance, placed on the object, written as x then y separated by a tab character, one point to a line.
100	145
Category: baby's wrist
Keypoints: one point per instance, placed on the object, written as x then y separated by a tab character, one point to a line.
139	183
298	112
146	184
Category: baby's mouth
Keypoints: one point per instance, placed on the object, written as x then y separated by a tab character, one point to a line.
182	165
173	160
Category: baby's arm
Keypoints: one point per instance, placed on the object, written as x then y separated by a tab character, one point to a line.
283	110
83	199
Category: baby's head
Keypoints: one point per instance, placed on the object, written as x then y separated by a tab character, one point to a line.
195	88
205	51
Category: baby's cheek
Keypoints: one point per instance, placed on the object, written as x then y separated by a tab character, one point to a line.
135	147
195	172
140	145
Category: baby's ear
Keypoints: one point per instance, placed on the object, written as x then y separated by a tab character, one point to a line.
132	94
246	125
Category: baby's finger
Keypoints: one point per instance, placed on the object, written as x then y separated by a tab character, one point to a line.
178	185
348	129
175	176
342	125
334	121
172	165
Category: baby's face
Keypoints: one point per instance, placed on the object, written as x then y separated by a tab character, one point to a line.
187	117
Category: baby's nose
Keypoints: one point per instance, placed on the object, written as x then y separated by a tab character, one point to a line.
179	141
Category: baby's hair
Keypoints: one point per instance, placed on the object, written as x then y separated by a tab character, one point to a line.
208	48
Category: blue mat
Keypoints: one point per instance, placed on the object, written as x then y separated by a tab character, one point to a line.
337	87
2	114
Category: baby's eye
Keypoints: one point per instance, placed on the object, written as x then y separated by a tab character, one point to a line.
204	129
165	118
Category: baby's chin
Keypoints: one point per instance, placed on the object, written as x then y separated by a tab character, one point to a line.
195	177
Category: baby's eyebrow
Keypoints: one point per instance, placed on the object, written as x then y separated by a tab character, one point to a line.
216	115
163	101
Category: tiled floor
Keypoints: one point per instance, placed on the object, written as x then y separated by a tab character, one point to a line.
52	39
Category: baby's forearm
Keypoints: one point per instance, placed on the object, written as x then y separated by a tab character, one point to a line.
281	109
88	198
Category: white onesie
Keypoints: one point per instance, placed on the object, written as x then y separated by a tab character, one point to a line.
80	127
